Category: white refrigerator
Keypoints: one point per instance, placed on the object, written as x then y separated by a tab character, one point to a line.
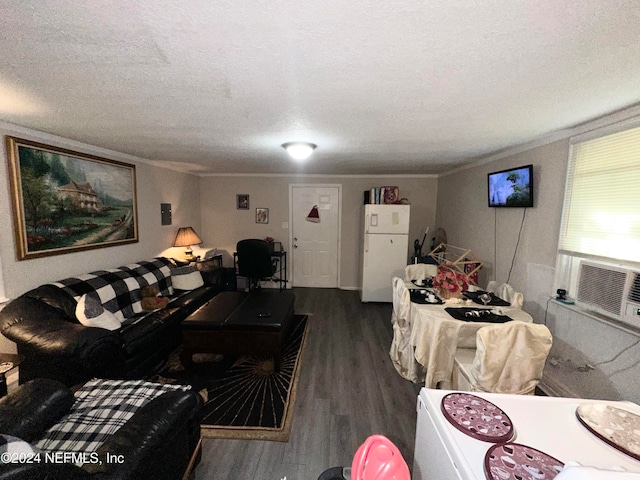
385	250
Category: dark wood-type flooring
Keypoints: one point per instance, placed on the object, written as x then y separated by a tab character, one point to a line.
348	390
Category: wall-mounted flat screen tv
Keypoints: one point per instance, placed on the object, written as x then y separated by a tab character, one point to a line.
512	187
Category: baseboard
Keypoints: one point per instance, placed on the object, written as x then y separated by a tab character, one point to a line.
193	460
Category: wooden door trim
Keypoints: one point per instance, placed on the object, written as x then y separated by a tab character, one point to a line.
338	240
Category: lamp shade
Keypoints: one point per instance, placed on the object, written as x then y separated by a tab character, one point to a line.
186	236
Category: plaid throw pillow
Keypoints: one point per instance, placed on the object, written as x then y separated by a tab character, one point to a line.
186	278
91	313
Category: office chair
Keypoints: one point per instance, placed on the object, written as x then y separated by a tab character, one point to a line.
254	261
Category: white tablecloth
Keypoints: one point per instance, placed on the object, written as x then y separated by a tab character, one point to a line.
435	335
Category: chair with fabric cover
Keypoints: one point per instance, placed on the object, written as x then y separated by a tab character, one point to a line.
418	271
507	293
509	358
402	351
254	261
491	286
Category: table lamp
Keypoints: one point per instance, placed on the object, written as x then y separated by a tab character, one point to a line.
186	237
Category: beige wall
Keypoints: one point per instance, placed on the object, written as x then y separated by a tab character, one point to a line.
223	225
154	186
578	338
493	232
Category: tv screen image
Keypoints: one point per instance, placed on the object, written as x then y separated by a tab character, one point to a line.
512	187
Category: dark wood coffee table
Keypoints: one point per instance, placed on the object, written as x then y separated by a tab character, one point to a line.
254	323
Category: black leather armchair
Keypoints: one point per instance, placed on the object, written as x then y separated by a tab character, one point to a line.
158	442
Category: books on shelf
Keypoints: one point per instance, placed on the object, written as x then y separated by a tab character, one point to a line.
382	195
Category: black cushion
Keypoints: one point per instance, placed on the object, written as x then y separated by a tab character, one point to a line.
150	331
33	408
190	300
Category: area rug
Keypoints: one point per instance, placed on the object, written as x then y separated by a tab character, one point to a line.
244	397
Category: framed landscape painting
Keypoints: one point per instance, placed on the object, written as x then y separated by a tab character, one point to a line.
65	201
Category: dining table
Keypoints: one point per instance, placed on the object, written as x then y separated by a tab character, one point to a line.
435	334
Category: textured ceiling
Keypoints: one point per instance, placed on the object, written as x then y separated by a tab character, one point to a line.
416	86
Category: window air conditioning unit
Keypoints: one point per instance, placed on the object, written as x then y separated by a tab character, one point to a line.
610	290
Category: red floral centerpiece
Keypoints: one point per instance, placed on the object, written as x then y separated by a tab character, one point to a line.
450	283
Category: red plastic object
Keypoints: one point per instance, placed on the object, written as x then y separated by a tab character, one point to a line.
379	459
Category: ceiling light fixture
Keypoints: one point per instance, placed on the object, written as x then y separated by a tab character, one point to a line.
299	150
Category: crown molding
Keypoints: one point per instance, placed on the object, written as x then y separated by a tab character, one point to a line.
625	116
319	175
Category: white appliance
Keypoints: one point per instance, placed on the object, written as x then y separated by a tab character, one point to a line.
609	289
385	249
548	424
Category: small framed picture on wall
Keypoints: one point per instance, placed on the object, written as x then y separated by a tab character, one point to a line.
262	215
242	201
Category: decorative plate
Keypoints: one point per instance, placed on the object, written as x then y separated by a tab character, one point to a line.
477	417
615	426
514	461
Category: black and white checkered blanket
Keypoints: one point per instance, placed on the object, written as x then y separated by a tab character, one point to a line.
100	409
119	289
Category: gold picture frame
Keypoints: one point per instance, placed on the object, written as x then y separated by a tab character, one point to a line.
66	201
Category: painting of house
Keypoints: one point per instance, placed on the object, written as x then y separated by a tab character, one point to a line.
81	195
66	201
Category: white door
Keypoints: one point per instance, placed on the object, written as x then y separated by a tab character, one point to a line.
314	245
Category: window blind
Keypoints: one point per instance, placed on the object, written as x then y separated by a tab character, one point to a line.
601	215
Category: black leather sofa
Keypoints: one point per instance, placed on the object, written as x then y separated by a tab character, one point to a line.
160	441
43	324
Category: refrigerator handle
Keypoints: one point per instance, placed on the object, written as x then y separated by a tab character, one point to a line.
366	223
366	243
